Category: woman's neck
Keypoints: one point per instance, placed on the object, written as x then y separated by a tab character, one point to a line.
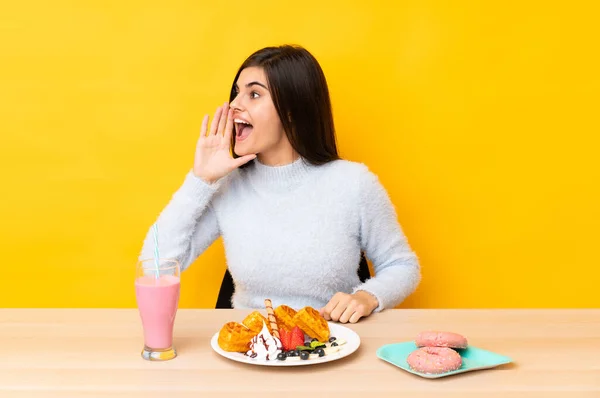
278	156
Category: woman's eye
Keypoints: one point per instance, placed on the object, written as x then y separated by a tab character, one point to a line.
254	95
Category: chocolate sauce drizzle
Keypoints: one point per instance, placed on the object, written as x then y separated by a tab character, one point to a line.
265	343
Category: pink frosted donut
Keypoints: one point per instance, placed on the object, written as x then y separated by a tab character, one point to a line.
434	360
441	339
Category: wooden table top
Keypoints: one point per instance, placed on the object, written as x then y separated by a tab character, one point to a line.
96	353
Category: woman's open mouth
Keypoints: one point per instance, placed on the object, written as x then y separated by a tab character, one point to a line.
242	129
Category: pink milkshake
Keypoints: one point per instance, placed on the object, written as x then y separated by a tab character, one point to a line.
157	302
157	293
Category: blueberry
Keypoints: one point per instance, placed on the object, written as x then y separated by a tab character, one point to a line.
290	354
303	355
334	344
281	356
331	339
296	352
320	352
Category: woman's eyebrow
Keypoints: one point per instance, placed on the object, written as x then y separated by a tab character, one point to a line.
254	83
257	84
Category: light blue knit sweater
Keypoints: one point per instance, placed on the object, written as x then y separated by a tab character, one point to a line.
292	233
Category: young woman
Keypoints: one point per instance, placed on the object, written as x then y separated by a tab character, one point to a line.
294	217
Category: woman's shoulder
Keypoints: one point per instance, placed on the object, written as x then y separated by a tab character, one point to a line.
346	169
356	177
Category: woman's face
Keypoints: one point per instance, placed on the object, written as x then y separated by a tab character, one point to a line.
258	129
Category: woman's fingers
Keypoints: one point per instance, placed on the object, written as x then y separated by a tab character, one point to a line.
355	317
223	119
341	303
204	127
228	128
215	121
344	307
348	312
328	309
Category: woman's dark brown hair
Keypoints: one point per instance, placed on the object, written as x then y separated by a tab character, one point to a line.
299	91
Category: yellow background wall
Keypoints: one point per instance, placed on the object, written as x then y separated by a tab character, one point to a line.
480	119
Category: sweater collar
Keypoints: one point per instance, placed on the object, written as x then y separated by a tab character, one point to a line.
280	177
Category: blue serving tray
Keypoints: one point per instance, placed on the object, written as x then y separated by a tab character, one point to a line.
473	359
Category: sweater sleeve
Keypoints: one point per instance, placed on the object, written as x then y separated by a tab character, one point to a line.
397	271
187	225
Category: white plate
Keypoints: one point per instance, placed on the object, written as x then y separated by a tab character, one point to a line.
337	331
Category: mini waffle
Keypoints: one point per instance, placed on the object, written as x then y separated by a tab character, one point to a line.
235	337
285	317
312	323
254	321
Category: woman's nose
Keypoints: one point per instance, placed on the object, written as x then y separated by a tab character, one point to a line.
235	104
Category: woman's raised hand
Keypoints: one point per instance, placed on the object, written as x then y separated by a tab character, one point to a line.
213	158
